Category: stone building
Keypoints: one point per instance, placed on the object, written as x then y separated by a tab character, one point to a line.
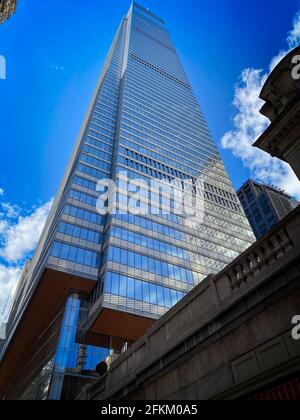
281	94
7	8
230	338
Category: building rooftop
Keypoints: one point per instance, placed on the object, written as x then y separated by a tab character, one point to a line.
272	188
146	10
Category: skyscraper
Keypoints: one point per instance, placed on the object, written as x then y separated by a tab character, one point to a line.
98	281
7	8
265	206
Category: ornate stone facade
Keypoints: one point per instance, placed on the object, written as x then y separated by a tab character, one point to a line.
7	8
281	94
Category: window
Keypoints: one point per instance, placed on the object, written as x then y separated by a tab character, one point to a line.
88	216
73	254
174	298
167	298
80	256
56	249
146	292
130	289
107	283
153	295
115	285
138	290
123	286
141	291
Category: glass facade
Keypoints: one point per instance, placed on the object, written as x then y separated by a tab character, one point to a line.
146	121
70	356
264	206
161	134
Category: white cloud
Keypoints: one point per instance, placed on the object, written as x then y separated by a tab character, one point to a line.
1	192
294	36
21	238
9	277
56	67
18	238
4	225
11	211
249	124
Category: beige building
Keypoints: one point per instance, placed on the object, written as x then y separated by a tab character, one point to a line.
281	94
7	8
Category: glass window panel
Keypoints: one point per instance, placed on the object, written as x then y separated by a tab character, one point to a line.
88	258
138	261
146	292
144	262
65	252
80	256
117	255
130	290
56	249
138	290
95	260
180	296
167	298
91	236
84	234
61	228
76	232
123	286
174	298
73	254
160	296
107	283
115	284
153	295
69	229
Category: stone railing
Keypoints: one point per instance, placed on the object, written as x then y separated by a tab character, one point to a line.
89	392
260	258
271	249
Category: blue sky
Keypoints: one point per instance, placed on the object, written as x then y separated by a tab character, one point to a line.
55	50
